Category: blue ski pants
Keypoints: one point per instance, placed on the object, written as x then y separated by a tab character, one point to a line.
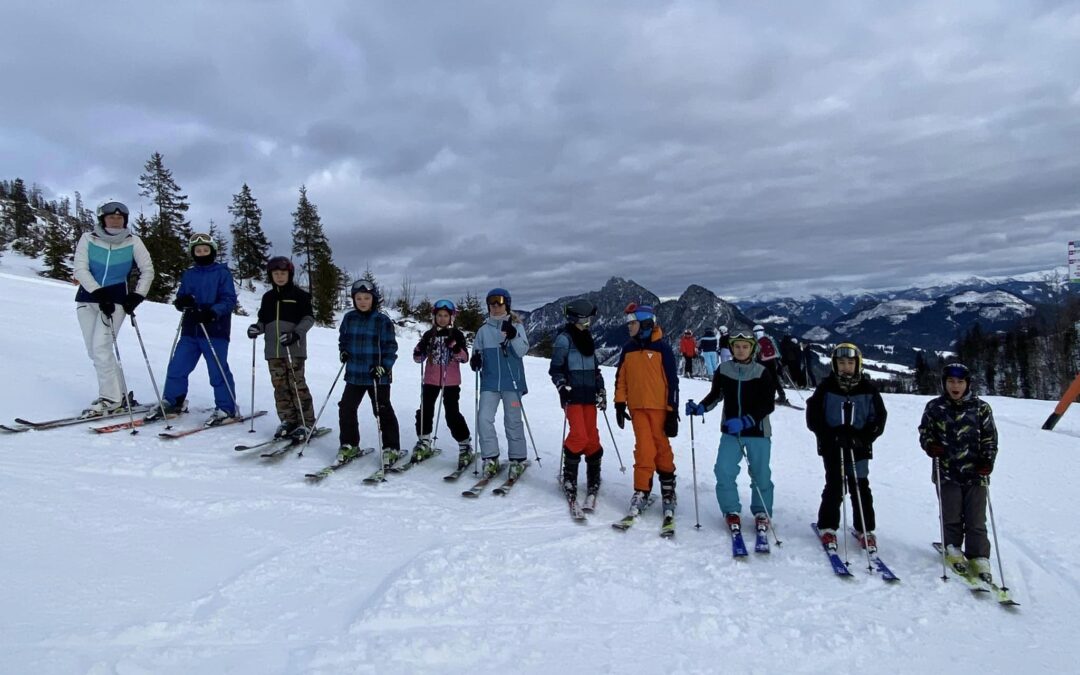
728	458
188	351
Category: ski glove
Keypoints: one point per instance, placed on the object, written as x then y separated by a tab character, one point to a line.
105	304
983	468
289	338
133	300
564	394
377	372
254	331
621	414
184	302
671	424
694	408
508	330
601	400
738	425
934	451
476	362
424	346
344	356
205	315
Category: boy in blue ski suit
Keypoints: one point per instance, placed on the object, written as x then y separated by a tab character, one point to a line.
206	297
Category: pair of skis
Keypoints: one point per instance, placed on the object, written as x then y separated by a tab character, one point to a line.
979	585
667	526
502	490
738	544
841	568
579	510
283	445
23	425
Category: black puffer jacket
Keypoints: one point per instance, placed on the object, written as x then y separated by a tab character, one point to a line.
825	416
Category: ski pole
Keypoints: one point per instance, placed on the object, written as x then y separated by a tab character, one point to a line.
123	380
843	505
993	529
295	388
562	452
476	425
521	404
438	406
153	380
862	513
693	465
753	482
176	338
321	409
615	445
786	374
253	341
941	515
378	424
221	369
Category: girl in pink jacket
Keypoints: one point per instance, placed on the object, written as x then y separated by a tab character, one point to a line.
442	349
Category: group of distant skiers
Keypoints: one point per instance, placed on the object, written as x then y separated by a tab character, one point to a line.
845	413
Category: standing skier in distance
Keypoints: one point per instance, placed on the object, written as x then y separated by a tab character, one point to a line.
710	351
846	415
688	349
104	257
768	355
575	372
725	345
958	432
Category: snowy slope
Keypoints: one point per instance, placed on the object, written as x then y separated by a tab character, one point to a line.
132	554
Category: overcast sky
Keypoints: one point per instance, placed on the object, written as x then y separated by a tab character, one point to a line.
545	146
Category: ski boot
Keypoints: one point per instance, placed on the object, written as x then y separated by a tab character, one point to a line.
734	522
390	457
828	539
422	450
171	409
490	467
347	452
867	541
761	522
217	418
465	453
299	432
517	467
981	567
955	559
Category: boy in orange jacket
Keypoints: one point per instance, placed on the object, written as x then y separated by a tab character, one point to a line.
647	383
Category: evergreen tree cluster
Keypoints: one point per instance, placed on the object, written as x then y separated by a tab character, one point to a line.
39	228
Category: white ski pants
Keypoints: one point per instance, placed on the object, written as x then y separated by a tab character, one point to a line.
99	346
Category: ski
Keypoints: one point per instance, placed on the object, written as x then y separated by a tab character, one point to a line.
838	565
326	471
667	527
879	564
380	474
979	585
510	482
628	521
576	512
294	443
789	404
402	468
590	502
479	486
28	425
263	444
122	426
738	546
761	543
228	422
462	468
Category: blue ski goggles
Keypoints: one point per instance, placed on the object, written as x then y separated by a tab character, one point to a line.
957	370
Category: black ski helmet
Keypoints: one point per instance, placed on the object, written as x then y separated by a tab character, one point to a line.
579	309
365	286
279	263
960	372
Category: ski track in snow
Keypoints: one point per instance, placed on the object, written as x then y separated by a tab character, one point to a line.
130	554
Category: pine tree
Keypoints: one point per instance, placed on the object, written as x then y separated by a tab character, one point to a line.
221	242
316	259
167	233
251	248
58	249
470	314
19	217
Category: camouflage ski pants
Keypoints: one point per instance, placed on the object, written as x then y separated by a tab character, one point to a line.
282	377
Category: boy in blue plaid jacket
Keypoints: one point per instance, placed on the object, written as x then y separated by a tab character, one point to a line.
368	349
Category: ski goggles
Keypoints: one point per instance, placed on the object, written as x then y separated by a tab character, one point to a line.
111	208
363	286
279	265
583	321
957	370
201	240
846	352
448	305
742	337
496	300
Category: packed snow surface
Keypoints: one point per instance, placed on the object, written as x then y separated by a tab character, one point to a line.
133	554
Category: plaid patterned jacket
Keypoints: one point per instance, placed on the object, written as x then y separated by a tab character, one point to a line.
369	339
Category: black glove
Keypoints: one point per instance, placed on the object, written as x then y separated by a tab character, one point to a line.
671	424
183	302
984	468
377	372
477	361
621	414
254	331
457	343
508	329
133	300
105	304
934	451
424	346
289	338
564	394
344	356
601	400
205	315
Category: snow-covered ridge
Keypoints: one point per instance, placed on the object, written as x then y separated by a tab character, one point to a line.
894	311
990	305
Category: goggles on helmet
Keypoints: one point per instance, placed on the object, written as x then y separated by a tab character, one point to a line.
363	286
201	239
279	264
444	304
957	370
494	300
109	208
846	352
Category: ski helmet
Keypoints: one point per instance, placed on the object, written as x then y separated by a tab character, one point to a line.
849	351
742	336
723	330
109	208
201	239
498	296
279	263
759	329
579	309
365	286
960	372
643	314
443	303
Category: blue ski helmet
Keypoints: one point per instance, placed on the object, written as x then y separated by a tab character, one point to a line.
498	296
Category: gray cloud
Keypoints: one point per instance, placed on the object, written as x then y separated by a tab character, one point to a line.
786	147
